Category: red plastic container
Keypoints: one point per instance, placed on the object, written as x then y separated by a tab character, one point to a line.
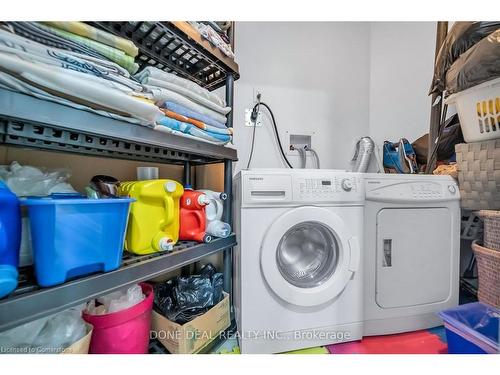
123	332
193	220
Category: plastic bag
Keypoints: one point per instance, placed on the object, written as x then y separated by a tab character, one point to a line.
461	37
479	64
452	135
116	301
182	299
30	181
47	335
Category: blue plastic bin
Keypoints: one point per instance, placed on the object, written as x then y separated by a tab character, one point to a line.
10	239
74	236
472	329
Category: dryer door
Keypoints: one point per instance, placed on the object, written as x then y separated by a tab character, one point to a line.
414	256
308	256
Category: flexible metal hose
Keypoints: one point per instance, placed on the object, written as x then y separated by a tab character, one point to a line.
362	154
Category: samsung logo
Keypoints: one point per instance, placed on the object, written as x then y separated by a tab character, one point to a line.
256	178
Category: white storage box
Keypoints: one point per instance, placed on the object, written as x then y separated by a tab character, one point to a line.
479	111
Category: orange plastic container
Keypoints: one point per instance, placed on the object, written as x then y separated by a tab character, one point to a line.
193	221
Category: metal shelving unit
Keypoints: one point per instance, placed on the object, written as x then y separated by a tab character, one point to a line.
30	302
176	47
29	122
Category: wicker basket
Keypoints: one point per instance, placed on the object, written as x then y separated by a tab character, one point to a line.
488	266
479	175
491	228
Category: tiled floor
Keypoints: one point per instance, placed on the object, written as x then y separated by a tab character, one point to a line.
431	341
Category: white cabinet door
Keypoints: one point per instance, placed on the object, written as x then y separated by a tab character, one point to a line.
414	256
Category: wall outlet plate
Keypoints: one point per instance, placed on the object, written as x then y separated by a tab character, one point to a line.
300	141
249	122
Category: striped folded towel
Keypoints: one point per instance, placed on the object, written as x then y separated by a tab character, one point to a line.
199	124
192	130
182	110
101	36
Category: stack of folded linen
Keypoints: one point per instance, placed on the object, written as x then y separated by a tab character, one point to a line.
77	79
188	107
82	38
84	71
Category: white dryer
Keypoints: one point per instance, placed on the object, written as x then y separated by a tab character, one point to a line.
412	251
297	266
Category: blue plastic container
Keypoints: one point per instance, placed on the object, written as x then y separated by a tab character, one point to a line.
74	236
472	329
10	239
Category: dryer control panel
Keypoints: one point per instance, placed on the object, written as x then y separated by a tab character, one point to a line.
410	191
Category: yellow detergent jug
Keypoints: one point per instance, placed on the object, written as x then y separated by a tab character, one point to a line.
154	217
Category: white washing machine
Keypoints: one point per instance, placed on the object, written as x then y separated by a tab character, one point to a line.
411	251
297	266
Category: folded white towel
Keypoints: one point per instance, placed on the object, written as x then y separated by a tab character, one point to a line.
77	87
161	95
187	93
179	81
11	83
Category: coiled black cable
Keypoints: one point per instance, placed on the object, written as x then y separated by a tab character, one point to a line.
255	112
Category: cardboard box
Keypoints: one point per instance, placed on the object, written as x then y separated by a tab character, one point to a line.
82	345
194	335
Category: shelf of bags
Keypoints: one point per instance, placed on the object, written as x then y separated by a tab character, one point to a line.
176	47
29	302
26	121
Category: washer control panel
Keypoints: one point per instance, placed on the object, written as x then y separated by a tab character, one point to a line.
328	188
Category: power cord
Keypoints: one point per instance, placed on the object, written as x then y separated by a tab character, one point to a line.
253	117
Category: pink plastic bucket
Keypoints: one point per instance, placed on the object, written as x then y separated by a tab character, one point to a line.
123	332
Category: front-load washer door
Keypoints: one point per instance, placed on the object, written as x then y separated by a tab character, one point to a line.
308	256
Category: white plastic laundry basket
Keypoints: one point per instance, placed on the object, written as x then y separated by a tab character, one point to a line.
479	111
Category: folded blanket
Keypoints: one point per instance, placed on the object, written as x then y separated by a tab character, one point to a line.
166	129
11	83
81	88
113	54
186	93
35	52
93	33
152	72
193	130
198	124
162	95
34	31
181	110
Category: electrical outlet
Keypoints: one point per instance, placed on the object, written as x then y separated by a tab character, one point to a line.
255	92
248	118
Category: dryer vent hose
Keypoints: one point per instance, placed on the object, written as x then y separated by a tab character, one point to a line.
362	154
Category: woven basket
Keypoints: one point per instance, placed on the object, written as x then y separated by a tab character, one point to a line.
491	228
488	266
479	175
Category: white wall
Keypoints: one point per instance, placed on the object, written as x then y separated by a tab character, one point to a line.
315	78
401	66
337	81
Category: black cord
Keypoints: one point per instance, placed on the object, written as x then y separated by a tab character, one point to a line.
253	141
255	112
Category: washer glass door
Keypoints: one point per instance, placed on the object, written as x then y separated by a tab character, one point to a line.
307	254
